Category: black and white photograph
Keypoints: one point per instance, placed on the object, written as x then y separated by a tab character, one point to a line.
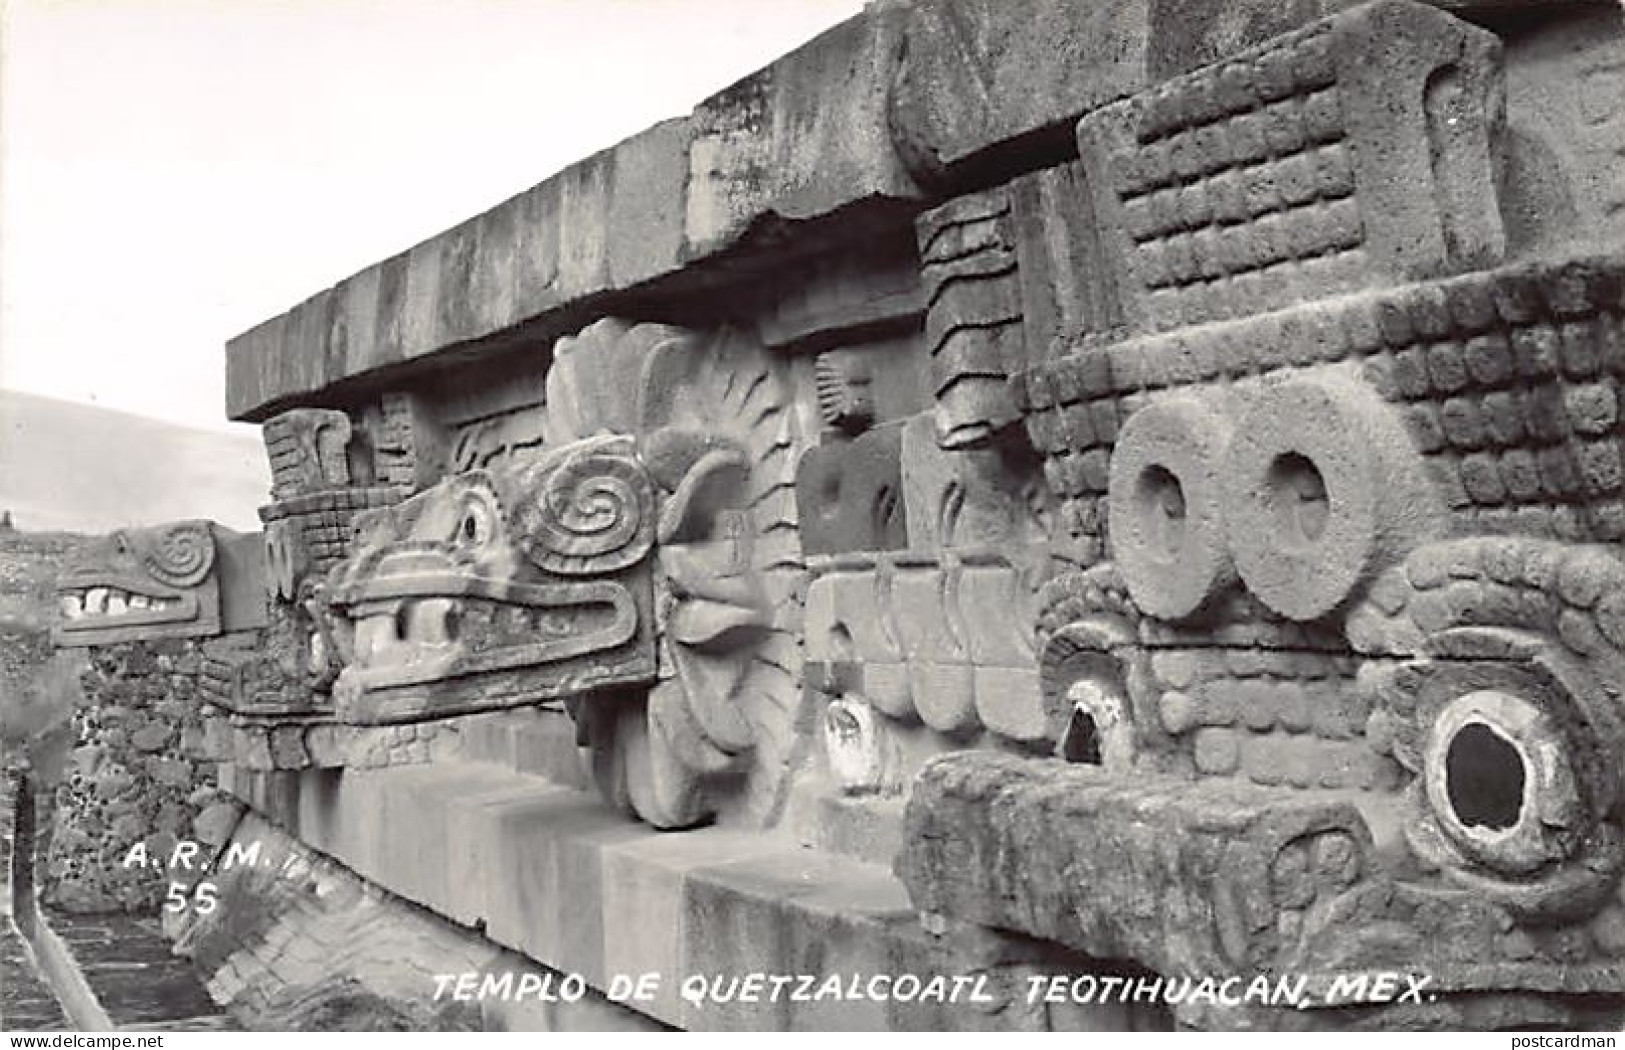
906	516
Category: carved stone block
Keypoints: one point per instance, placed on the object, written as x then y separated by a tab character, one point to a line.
851	494
1337	482
640	566
309	451
408	446
517	579
973	315
971	497
845	401
188	579
946	642
1204	419
307	535
1289	171
1120	869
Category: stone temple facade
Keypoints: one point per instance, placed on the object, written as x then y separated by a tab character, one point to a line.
1050	494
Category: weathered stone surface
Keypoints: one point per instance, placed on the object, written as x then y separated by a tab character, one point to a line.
859	296
189	579
309	451
978	91
1164	500
629	567
801	139
301	944
579	890
1309	433
845	401
1116	869
987	497
602	625
1211	895
851	493
821	147
943	641
407	442
973	331
1322	492
141	774
1294	161
1217	417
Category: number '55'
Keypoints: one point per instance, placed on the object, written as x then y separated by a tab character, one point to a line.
205	897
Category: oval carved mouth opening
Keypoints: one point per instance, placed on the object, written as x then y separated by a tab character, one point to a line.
1484	778
1080	744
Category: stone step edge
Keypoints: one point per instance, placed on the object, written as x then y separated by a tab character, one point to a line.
57	967
553	873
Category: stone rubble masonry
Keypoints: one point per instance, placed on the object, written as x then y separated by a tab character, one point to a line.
138	773
34	707
29	565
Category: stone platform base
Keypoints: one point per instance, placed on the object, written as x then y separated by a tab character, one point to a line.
527	884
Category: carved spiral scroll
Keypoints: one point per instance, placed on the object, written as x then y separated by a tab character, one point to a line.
181	555
589	510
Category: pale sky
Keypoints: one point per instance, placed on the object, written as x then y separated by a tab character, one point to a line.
173	172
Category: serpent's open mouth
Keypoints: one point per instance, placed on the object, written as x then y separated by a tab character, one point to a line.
422	618
96	602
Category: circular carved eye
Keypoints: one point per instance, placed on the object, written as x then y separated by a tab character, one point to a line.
1319	493
1517	788
1499	781
1163	498
475	526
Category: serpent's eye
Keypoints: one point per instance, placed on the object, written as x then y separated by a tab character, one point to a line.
1499	776
475	526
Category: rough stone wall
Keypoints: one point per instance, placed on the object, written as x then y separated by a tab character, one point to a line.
37	688
31	707
137	774
29	563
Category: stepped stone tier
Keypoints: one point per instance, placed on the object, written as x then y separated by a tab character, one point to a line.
1034	492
